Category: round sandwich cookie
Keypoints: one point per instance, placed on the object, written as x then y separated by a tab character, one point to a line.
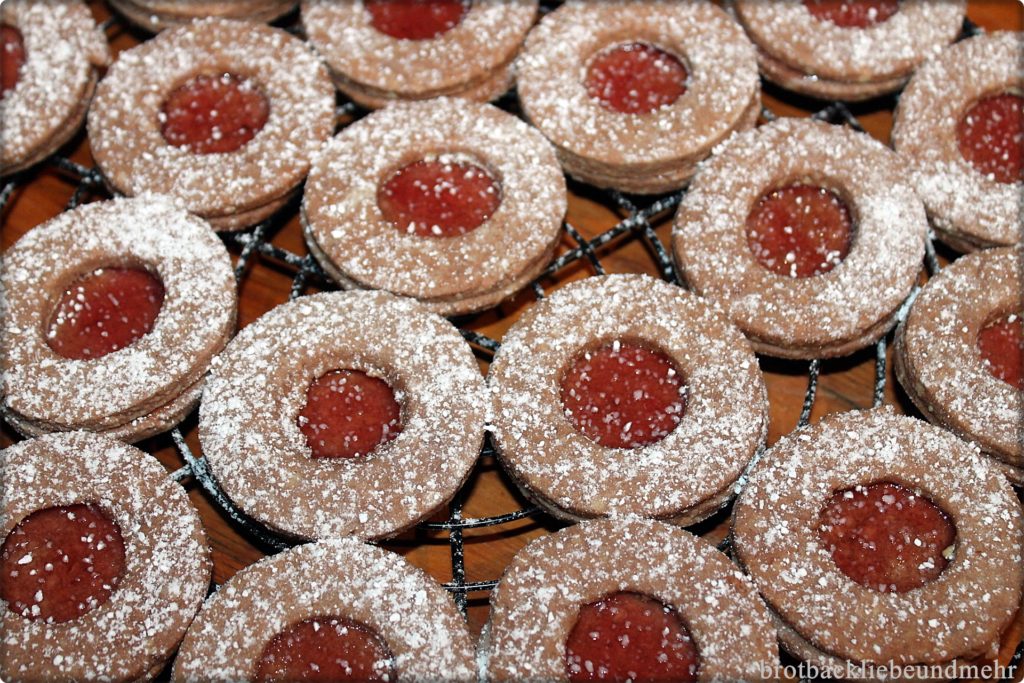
156	15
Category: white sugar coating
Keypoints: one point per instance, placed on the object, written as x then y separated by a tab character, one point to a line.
156	15
830	314
124	125
414	616
537	602
63	49
960	614
689	473
966	206
722	83
248	417
787	31
167	563
197	315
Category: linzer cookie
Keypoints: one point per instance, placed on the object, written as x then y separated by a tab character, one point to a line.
959	354
960	128
626	599
344	413
104	561
223	115
156	15
624	394
454	203
111	316
880	541
806	233
847	49
52	53
635	94
380	51
339	607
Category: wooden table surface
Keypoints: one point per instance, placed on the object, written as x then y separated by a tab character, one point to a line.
844	384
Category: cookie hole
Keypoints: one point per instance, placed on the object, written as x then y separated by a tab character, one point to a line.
416	19
887	537
61	562
636	78
214	113
630	636
104	311
1001	347
623	394
449	195
853	13
327	648
990	136
800	230
348	414
12	57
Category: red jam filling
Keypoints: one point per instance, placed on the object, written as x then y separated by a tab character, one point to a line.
624	396
326	649
214	114
12	57
58	563
886	537
104	311
416	19
991	137
636	78
348	414
800	231
630	637
853	13
441	198
1002	349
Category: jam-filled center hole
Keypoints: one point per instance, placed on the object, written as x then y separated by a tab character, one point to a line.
887	537
214	113
800	231
636	78
624	395
61	562
328	648
630	636
853	13
416	19
443	197
12	57
991	137
1001	345
348	414
105	311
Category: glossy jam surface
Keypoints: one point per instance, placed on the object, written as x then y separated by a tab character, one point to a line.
800	231
624	396
630	637
636	78
886	537
416	19
991	137
348	414
12	57
439	198
326	649
853	13
214	114
105	311
1001	345
58	563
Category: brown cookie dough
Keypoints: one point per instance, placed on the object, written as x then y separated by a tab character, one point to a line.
825	616
643	153
167	563
156	15
141	389
832	314
353	241
232	190
682	478
64	51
